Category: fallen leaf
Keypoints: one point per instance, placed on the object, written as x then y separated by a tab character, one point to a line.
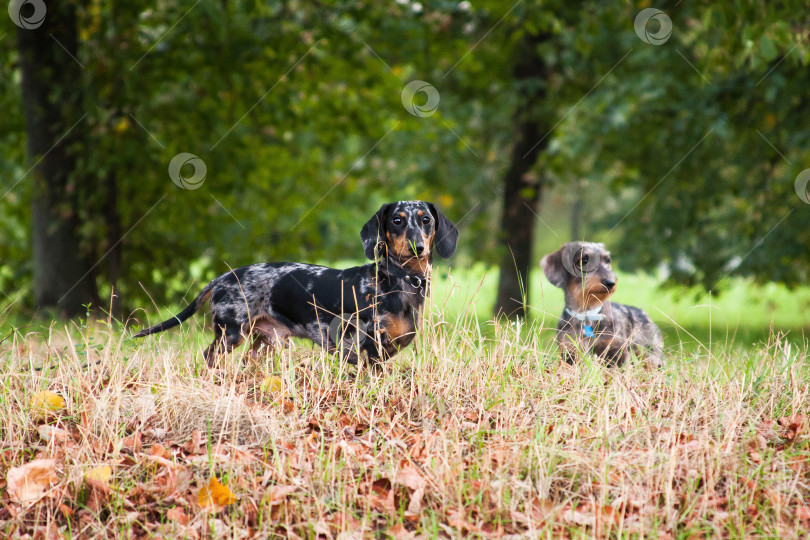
458	520
66	510
341	521
492	529
590	514
410	477
580	515
53	434
250	509
47	532
99	474
349	449
276	494
399	532
177	514
721	516
471	416
381	495
171	478
160	451
774	497
214	494
716	502
29	482
803	514
415	505
98	493
220	529
272	385
47	402
192	447
134	442
350	535
156	433
540	509
793	424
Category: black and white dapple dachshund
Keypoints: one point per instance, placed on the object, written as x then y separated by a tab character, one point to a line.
380	302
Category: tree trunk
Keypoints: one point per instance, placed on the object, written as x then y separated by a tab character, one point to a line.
576	213
52	102
522	190
112	221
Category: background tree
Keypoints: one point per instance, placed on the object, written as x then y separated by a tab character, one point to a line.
523	187
683	154
52	101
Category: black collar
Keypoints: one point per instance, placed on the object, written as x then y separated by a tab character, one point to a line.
396	271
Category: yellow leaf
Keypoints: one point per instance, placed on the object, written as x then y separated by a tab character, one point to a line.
99	474
271	385
215	494
122	125
47	402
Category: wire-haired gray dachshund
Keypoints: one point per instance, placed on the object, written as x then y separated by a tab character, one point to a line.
590	323
373	309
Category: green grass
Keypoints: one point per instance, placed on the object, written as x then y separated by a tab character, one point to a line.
475	430
743	316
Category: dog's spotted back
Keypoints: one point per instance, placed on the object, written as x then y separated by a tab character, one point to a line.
380	303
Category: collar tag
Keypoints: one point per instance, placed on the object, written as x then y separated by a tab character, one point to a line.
588	330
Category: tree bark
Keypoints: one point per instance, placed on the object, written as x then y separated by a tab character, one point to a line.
522	190
576	213
112	221
52	102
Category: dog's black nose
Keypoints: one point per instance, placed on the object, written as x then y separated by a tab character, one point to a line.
418	249
609	284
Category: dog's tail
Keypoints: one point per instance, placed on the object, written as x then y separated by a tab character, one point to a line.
190	310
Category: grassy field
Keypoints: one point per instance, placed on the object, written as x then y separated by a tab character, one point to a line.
743	316
476	430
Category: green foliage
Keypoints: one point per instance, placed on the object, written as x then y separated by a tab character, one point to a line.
703	136
295	108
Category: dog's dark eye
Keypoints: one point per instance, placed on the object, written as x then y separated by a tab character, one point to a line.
607	260
584	260
397	221
426	219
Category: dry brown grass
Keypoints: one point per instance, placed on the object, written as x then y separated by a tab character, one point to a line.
462	435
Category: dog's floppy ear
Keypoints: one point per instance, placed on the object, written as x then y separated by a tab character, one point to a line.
446	237
554	269
372	232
